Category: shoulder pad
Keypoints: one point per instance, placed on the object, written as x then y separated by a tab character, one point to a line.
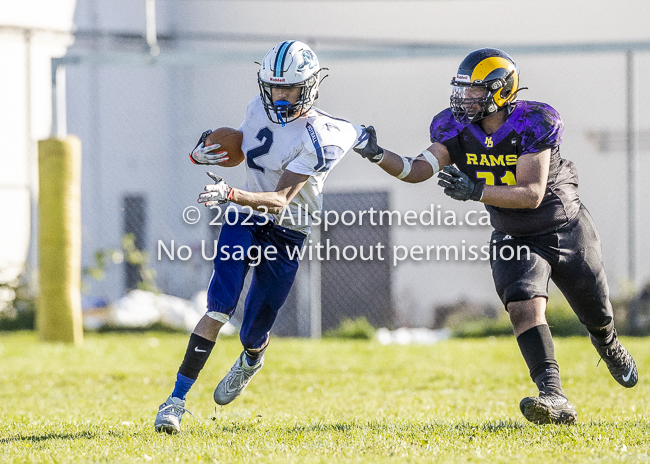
444	127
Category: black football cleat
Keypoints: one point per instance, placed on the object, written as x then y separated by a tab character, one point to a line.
618	361
548	408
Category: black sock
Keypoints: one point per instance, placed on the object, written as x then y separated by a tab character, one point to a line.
197	353
549	380
603	335
536	346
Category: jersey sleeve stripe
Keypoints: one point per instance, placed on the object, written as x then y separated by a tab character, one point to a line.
319	150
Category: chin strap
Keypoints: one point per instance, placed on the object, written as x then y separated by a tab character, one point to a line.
514	94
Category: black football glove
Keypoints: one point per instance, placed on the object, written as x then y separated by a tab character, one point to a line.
458	185
371	151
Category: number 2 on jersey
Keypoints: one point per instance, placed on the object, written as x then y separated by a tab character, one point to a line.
265	135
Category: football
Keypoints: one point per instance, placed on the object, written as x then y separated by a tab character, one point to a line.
230	140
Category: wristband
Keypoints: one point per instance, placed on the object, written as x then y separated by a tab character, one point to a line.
380	152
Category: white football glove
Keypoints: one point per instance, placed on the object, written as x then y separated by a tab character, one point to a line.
210	154
215	194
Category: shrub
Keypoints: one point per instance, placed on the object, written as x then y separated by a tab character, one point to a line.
482	327
19	312
561	319
358	328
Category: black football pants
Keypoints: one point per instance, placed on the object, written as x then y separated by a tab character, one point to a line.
571	256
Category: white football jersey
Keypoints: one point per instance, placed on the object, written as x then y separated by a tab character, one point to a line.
310	145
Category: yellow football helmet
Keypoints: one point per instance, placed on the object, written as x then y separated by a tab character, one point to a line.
487	81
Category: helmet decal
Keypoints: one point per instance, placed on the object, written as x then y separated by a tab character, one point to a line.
309	59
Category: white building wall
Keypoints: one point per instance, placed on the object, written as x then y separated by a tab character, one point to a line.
31	33
137	123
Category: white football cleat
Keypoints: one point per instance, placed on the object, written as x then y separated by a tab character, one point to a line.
235	381
170	414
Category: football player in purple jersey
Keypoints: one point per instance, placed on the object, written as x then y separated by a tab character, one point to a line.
505	153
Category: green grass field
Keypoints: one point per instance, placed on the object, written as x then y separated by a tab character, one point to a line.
314	401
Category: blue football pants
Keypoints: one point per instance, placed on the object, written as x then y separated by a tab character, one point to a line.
272	277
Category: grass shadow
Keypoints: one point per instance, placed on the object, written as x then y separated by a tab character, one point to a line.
497	426
435	427
50	436
326	427
237	428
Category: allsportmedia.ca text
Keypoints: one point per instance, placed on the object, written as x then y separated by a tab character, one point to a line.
302	216
326	252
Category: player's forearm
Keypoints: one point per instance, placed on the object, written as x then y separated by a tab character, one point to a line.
395	165
272	202
513	196
392	163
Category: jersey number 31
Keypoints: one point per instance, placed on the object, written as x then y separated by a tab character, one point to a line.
507	179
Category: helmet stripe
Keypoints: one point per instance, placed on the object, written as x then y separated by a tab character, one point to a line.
280	58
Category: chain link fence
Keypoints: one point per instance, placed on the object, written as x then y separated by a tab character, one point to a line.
138	121
138	182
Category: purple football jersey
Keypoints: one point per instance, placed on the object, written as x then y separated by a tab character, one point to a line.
531	127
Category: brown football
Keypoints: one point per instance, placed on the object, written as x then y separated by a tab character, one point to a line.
230	140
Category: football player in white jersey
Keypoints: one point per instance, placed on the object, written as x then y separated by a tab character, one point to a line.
290	148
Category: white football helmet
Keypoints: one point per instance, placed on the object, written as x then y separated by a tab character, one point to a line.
289	64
